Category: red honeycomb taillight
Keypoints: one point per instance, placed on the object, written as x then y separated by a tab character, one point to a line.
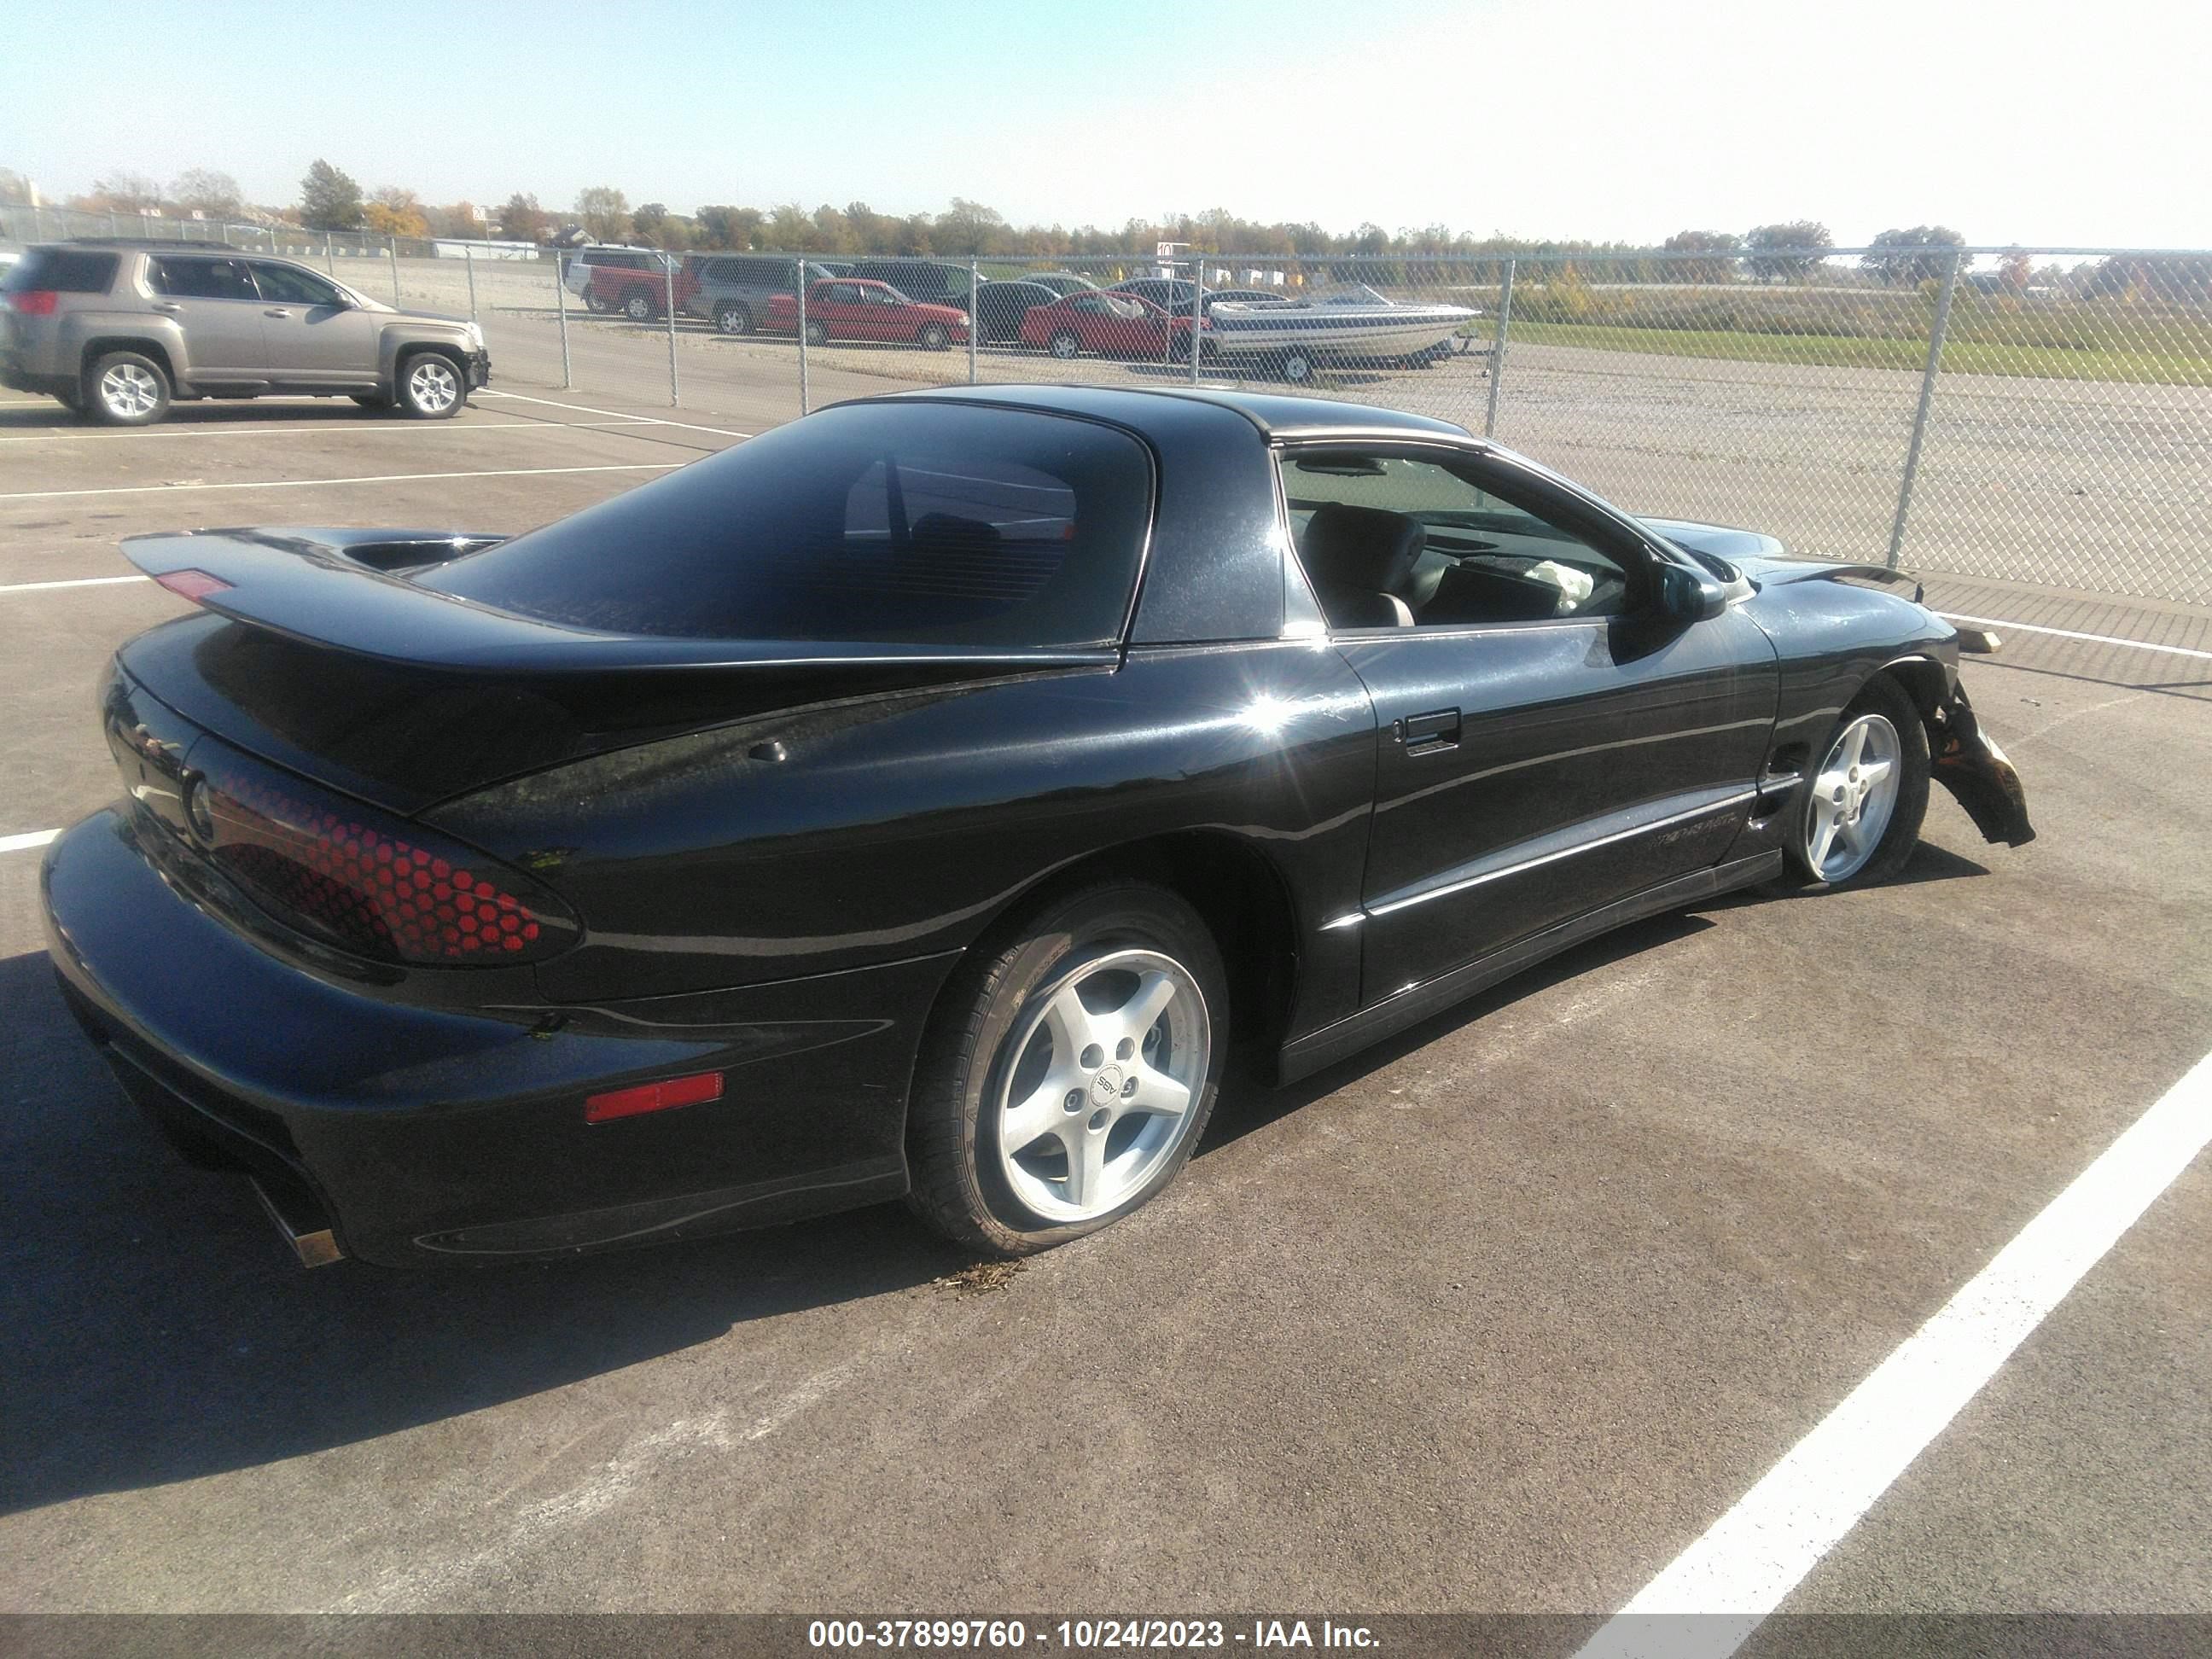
378	889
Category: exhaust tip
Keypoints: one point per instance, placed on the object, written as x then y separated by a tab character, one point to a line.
304	1230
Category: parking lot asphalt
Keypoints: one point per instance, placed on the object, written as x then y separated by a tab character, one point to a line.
1498	1317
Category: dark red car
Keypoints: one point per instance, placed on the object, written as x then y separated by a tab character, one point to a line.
846	308
1111	324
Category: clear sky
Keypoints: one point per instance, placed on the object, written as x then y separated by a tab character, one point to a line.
2033	122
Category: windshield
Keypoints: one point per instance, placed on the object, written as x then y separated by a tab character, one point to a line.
899	523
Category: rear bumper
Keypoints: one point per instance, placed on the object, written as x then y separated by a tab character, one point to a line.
14	375
415	1134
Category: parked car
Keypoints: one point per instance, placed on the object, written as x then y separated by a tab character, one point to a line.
869	828
1000	306
1109	323
1061	281
118	330
846	308
634	281
924	280
1173	294
733	290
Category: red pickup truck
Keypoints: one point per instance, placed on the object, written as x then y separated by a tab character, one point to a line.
634	281
846	308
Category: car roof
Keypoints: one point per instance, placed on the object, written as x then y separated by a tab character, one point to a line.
1139	407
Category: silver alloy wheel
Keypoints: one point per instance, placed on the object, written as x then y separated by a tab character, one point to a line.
638	308
1850	803
432	384
1067	347
1298	367
1101	1081
129	392
733	319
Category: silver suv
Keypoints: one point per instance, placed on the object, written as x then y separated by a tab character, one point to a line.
116	330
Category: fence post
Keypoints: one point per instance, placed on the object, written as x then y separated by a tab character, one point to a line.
1197	308
1498	349
330	258
469	258
391	244
114	223
802	336
668	281
1920	415
561	305
975	313
38	234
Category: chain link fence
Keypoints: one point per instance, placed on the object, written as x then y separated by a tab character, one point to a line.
2040	416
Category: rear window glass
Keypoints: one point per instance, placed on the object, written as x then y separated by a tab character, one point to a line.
203	279
913	523
60	271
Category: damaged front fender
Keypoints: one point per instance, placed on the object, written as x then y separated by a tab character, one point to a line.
1968	762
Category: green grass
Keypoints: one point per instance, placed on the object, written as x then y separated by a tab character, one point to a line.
2125	365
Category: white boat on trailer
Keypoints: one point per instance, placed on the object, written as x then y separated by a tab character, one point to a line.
1349	325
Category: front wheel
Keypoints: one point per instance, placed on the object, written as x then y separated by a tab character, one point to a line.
127	388
431	387
934	338
1066	346
1070	1073
1861	813
733	319
817	333
638	307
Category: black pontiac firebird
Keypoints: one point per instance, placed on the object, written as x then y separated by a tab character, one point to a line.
919	799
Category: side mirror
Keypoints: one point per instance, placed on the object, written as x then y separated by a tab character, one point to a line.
1689	596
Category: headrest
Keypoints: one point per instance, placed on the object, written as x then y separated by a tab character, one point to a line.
1361	547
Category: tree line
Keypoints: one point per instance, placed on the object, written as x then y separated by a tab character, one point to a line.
1784	250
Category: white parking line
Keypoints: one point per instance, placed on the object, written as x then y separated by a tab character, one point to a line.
24	842
1778	1533
719	431
74	581
2068	634
314	483
320	430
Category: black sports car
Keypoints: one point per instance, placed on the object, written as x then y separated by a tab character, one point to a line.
922	797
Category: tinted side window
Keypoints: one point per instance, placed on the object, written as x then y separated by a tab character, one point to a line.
1484	559
61	271
202	279
921	523
292	286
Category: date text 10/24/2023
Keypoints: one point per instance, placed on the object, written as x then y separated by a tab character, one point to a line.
1085	1635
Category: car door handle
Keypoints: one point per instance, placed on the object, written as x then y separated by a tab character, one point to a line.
170	310
1427	734
276	311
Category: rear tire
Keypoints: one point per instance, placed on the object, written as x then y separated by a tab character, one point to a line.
733	319
934	337
637	304
431	387
1066	346
1128	972
817	334
1853	826
127	388
595	300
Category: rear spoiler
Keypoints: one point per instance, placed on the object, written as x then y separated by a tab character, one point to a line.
348	590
